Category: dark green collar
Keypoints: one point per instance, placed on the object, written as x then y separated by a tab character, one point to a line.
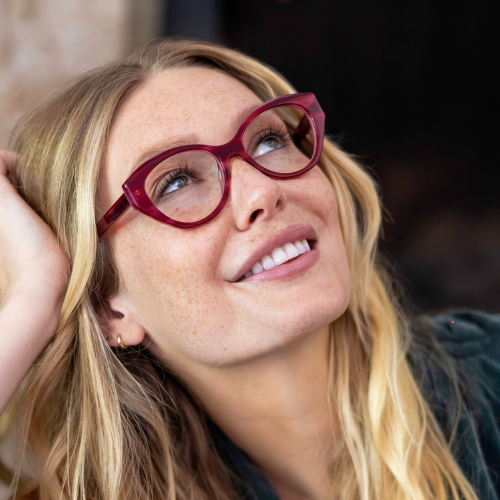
251	483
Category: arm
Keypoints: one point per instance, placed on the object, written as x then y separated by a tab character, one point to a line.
33	280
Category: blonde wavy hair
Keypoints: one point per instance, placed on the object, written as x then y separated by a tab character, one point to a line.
99	424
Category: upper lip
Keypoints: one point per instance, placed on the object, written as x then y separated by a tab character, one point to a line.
288	235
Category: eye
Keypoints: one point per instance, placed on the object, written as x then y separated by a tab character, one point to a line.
176	180
267	145
173	185
270	139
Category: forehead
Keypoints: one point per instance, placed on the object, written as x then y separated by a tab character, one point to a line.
176	104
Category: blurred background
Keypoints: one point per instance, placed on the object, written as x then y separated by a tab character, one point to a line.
409	88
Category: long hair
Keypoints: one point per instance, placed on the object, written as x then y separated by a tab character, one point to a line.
100	424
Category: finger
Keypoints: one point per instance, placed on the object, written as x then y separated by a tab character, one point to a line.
8	162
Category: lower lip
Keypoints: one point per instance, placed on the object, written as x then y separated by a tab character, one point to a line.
288	269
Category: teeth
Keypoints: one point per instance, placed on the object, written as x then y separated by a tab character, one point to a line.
291	250
267	262
257	268
279	256
300	247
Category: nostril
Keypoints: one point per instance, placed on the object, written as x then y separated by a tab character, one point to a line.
254	215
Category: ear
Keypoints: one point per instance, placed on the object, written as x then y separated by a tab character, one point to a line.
120	320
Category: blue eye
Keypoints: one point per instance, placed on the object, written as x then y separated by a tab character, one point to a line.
175	184
267	145
176	180
269	140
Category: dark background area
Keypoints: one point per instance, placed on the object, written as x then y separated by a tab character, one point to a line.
411	90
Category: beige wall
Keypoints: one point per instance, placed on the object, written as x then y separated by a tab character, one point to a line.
43	42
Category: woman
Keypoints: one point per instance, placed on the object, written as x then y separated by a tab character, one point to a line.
235	335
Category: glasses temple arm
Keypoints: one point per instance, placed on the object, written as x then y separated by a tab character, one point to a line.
112	215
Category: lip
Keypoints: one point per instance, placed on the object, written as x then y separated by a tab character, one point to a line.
287	270
288	235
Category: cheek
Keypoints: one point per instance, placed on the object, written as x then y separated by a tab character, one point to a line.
170	276
314	194
323	202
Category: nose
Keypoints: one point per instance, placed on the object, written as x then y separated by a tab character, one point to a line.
254	196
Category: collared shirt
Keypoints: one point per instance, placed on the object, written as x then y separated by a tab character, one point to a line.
470	341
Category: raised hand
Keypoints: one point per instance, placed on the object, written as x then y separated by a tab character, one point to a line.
34	272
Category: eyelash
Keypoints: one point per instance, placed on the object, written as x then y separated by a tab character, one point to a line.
282	133
173	174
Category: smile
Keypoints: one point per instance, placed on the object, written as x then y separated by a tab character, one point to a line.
287	253
280	255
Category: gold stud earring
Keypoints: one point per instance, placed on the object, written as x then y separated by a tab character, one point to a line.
120	343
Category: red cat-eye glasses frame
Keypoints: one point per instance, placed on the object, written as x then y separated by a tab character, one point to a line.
134	192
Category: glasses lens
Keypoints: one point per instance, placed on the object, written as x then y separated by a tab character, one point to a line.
280	139
186	187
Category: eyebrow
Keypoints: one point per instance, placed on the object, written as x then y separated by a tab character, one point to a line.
182	141
188	139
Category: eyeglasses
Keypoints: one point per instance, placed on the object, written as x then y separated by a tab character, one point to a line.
189	185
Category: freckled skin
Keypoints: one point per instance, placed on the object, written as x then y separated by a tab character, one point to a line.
175	281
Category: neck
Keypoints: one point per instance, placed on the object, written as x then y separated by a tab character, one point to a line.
275	409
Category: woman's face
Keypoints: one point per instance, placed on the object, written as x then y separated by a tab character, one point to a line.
181	285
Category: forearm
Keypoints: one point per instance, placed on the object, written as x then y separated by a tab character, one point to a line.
26	327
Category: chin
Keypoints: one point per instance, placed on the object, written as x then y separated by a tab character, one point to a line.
282	326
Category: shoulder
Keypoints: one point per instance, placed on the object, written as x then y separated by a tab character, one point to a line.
456	361
463	344
465	333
